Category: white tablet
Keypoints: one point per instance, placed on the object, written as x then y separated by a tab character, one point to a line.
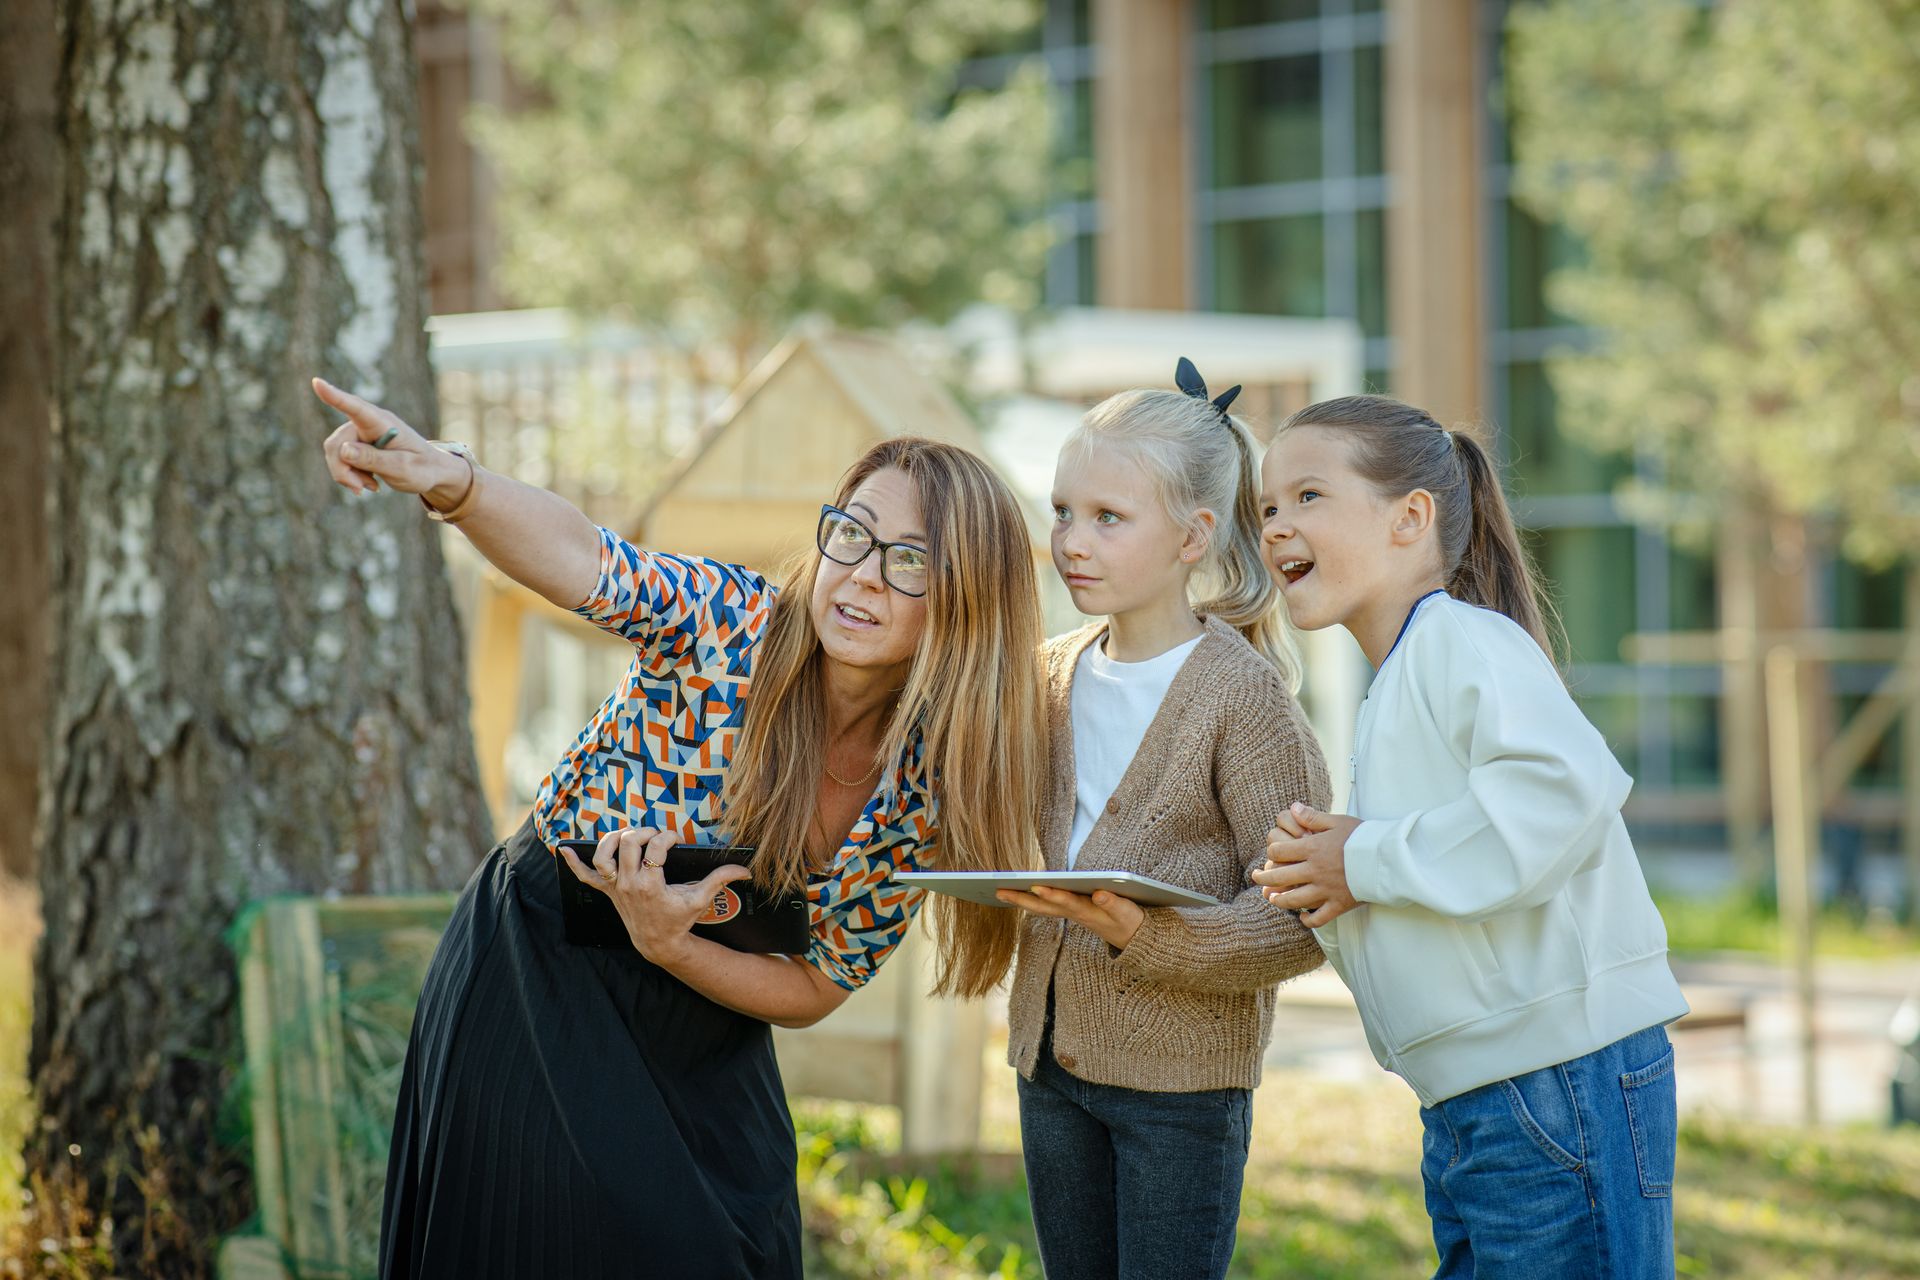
980	886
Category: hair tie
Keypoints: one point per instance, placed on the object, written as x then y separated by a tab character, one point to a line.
1188	379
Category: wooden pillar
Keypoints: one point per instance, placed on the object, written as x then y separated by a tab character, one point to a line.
1743	757
1435	281
943	1043
487	77
1140	153
460	68
1796	843
493	673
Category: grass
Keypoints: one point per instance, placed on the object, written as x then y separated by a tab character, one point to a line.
1333	1193
869	1213
20	927
1747	921
1332	1188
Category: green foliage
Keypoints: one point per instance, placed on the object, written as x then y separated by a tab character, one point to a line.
934	1223
1743	179
1745	921
19	920
1333	1193
1764	1202
720	169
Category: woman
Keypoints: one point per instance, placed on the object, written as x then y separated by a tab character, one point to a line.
567	1111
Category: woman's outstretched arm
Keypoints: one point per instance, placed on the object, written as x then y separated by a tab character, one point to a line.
537	538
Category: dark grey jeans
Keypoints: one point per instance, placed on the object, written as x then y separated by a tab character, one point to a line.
1128	1185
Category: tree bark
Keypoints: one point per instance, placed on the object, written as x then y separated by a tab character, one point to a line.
257	684
29	201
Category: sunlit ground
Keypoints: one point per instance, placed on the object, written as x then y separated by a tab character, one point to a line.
1333	1192
1332	1188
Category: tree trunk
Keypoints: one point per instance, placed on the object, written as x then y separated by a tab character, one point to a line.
257	684
1766	560
1743	748
29	201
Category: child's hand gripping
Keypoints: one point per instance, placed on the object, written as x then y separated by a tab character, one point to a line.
1306	867
1112	918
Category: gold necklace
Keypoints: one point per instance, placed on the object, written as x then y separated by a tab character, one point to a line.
842	781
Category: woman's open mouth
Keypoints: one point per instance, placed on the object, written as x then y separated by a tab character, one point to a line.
1294	570
855	616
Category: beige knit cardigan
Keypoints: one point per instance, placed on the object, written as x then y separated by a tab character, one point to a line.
1188	1004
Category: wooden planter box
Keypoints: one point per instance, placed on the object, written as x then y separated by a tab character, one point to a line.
327	993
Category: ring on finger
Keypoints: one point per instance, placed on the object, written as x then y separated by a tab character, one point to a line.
386	438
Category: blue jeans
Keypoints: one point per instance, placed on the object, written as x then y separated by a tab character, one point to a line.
1561	1174
1131	1185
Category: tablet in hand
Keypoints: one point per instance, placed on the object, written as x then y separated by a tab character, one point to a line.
982	886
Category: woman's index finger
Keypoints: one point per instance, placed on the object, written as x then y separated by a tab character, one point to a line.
368	419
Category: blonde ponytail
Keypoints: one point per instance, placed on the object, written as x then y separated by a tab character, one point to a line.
1248	599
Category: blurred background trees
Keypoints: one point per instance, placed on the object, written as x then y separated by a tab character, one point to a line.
1740	183
1743	181
718	170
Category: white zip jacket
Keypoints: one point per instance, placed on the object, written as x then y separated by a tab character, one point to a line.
1505	925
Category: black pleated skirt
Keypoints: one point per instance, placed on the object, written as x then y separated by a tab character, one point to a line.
580	1114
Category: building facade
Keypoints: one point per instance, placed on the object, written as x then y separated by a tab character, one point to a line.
1350	159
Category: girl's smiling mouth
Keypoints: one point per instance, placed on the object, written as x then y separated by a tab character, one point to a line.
1294	570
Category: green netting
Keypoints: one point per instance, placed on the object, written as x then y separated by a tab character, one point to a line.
327	992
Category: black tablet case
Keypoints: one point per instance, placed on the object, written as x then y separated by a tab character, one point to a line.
766	923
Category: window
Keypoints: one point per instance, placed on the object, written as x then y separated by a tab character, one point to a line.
1275	266
1590	573
1533	250
1617	717
1870	599
1291	216
1694	726
1692	590
1076	141
1266	121
1369	110
1370	267
1542	459
1216	14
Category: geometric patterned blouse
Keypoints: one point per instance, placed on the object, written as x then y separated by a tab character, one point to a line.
655	754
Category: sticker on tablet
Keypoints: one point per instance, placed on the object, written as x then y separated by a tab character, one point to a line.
724	907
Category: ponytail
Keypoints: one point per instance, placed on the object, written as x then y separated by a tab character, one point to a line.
1398	449
1494	571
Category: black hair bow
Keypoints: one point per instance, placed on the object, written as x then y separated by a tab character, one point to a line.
1188	379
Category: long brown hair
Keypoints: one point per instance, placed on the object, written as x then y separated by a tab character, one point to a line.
1199	457
974	693
1398	448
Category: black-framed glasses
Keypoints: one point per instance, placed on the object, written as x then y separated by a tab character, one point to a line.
844	540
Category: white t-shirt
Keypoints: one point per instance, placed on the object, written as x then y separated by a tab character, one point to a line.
1113	703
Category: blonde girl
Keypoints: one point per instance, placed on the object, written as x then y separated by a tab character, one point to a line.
1138	1032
